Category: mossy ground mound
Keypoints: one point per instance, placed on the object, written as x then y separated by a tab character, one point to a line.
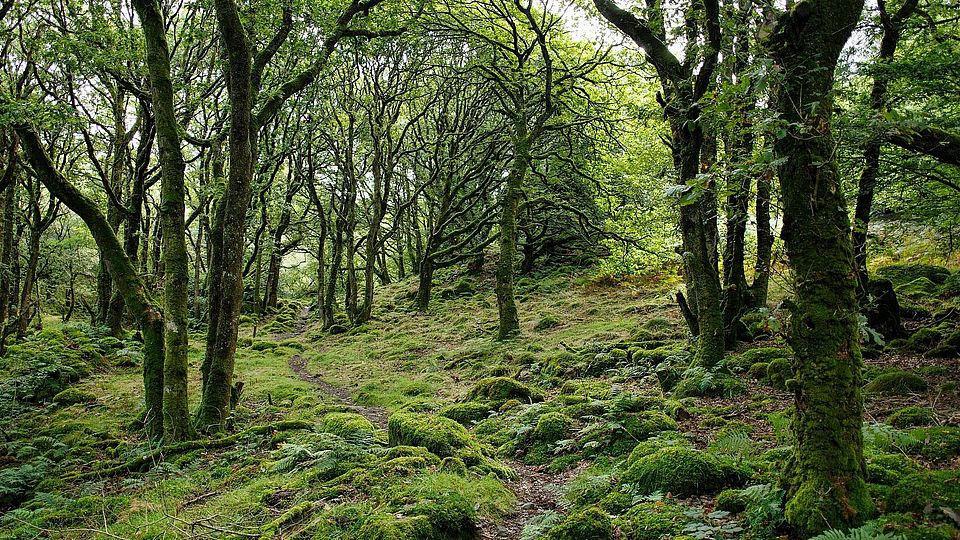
896	383
905	273
682	472
346	424
500	389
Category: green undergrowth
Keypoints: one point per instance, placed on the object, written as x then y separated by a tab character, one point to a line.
599	390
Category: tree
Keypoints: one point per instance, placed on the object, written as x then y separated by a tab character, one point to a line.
680	92
825	480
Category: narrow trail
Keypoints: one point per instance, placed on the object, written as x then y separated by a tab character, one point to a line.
535	489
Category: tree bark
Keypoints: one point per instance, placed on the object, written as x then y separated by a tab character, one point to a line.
176	414
825	479
125	275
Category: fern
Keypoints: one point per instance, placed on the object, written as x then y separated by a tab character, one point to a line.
539	525
869	531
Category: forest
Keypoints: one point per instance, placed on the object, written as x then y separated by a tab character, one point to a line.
480	269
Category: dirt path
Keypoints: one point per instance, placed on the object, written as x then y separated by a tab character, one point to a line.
535	489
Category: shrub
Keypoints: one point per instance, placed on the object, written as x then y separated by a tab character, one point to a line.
911	416
895	383
346	424
682	472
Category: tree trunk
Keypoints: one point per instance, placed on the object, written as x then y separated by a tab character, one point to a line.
125	275
176	414
215	403
825	479
509	321
761	269
9	214
425	284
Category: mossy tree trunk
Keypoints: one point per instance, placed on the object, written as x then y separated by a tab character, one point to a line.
892	25
825	480
761	270
509	321
176	414
681	91
124	273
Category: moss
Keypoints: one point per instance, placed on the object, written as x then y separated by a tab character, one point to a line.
814	505
939	443
451	515
71	396
682	472
915	492
620	433
911	416
758	371
896	383
904	273
595	389
346	424
918	289
509	405
698	382
655	356
951	286
392	527
888	469
908	527
552	427
468	413
589	524
731	500
652	521
546	323
412	451
453	465
779	372
501	389
561	364
924	339
264	345
652	446
441	436
748	358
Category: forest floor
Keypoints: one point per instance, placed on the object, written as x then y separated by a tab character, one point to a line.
592	357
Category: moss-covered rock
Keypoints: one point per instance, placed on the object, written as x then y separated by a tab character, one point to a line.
951	286
546	323
453	465
905	273
758	371
392	527
779	372
731	500
908	527
924	339
743	361
652	521
594	389
655	356
468	413
699	382
73	395
619	434
915	492
663	440
919	289
412	451
552	427
589	524
896	383
500	389
682	472
441	436
911	416
346	424
888	469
